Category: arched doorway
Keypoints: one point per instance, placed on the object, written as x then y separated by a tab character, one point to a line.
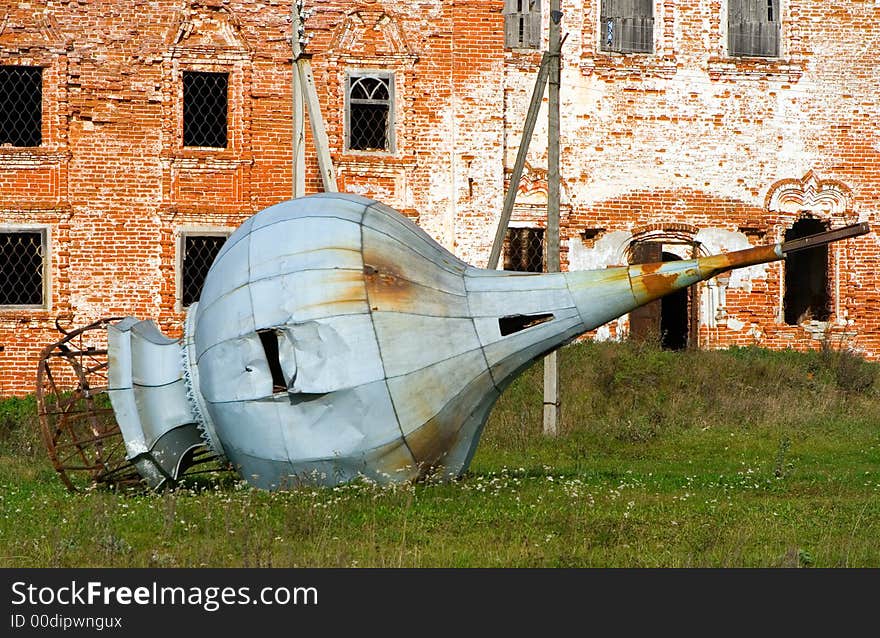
674	318
669	319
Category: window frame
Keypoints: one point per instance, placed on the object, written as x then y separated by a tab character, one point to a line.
183	235
183	120
44	233
526	24
41	71
390	134
507	246
751	55
602	30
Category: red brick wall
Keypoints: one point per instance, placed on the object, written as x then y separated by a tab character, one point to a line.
685	137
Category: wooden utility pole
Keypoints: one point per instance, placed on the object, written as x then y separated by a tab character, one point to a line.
551	370
549	72
304	92
519	164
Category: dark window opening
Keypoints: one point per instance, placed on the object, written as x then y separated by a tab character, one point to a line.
806	277
515	323
522	24
21	105
524	249
753	28
205	104
674	318
199	252
627	26
269	339
369	113
21	268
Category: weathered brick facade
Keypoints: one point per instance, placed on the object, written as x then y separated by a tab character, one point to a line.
686	146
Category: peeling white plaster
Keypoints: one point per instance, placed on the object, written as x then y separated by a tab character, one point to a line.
607	251
718	240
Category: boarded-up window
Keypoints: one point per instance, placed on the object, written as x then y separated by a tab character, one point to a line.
524	249
22	265
522	24
753	28
627	26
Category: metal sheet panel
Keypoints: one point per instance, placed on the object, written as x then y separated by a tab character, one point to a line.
155	359
411	342
392	224
228	317
161	409
601	295
342	206
499	304
419	396
432	442
479	280
252	428
235	370
333	354
119	353
307	295
342	424
311	243
391	258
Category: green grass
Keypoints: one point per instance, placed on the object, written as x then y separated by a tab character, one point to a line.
742	458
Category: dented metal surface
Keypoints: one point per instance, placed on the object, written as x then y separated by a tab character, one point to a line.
335	339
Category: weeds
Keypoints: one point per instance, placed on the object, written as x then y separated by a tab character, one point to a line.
737	458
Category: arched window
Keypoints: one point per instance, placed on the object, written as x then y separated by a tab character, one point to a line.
369	102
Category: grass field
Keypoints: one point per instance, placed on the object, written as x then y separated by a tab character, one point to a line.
742	458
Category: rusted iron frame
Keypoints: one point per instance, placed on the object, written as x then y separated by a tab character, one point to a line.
58	421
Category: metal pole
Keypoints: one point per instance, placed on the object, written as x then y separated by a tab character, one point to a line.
551	370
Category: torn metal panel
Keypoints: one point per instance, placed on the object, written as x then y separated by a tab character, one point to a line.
149	396
336	339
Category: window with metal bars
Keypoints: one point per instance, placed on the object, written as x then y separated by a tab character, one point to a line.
522	24
198	253
205	105
524	249
753	28
627	26
22	259
370	112
21	105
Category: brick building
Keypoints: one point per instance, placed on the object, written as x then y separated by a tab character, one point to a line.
135	136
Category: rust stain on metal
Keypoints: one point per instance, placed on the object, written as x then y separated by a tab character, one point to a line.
386	287
655	285
716	264
431	442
